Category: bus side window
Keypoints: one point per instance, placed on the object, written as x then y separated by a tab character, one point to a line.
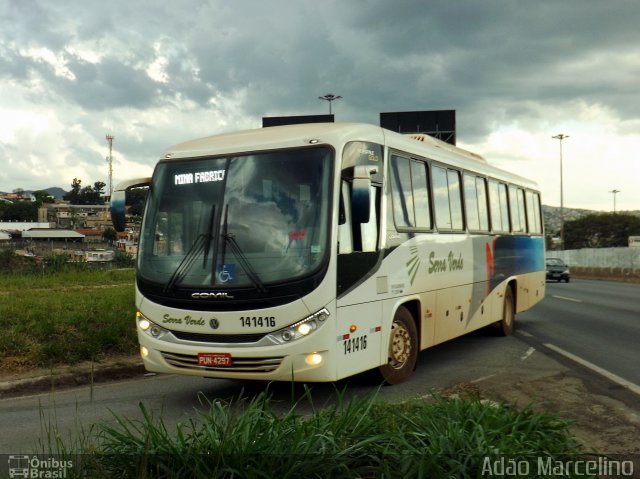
533	212
475	197
481	186
403	210
471	203
516	203
447	199
499	207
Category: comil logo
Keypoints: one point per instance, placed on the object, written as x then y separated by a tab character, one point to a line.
39	467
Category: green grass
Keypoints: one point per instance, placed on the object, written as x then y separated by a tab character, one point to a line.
362	437
65	318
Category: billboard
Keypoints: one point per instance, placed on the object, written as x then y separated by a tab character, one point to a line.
295	120
440	124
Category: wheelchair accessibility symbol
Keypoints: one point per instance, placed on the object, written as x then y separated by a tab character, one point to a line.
226	273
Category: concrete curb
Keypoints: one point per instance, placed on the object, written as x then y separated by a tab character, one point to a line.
83	376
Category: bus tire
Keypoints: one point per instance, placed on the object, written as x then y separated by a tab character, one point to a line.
403	348
506	324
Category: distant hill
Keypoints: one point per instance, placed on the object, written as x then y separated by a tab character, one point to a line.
551	215
56	192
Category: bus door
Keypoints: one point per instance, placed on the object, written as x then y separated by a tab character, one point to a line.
359	255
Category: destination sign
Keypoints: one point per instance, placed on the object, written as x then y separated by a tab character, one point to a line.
198	177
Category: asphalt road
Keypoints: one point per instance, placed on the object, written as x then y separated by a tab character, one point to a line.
596	323
27	424
603	327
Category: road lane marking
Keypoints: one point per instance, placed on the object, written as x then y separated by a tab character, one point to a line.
483	378
609	375
574	300
524	333
529	352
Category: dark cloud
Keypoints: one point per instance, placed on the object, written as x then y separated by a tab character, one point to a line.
161	71
378	55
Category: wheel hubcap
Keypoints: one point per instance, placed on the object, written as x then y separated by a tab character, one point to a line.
400	346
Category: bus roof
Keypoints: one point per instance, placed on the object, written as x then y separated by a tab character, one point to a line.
290	136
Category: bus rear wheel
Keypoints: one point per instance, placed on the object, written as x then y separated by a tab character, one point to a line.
506	324
403	348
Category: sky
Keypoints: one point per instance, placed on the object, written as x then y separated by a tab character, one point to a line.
153	73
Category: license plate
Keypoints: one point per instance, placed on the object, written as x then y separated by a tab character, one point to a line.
219	360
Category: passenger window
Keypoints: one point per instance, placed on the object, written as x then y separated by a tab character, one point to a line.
420	184
483	212
516	202
441	197
410	193
533	212
447	198
403	212
498	206
471	203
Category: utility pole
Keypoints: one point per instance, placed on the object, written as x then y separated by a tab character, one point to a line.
329	97
110	161
615	192
561	137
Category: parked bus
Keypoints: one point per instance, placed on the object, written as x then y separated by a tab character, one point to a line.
316	252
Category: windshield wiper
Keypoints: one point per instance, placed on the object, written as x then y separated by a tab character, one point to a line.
230	239
202	244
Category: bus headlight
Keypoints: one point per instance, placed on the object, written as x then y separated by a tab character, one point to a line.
313	359
149	327
301	329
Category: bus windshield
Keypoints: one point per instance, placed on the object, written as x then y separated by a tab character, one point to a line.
237	221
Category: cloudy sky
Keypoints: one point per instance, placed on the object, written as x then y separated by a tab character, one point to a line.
157	72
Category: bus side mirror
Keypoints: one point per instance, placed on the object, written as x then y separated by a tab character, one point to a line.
118	201
361	194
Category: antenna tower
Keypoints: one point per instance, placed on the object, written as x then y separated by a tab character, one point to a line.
110	161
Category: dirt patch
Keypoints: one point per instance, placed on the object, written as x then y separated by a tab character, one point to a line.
601	423
38	380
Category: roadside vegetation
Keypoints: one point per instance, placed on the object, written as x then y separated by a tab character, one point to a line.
64	314
460	437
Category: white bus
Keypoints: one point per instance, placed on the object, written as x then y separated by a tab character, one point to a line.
315	252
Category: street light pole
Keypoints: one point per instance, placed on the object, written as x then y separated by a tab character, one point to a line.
615	192
329	97
561	137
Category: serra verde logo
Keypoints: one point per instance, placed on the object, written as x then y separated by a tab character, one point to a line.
450	263
436	265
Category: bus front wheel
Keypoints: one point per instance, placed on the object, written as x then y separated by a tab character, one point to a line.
403	348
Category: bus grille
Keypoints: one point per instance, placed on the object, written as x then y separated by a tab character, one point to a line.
219	338
240	365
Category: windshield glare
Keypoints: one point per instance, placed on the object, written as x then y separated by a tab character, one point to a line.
211	221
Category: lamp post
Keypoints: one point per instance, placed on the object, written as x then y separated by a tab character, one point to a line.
329	97
561	136
615	192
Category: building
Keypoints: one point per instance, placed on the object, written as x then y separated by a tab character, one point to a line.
52	235
65	215
128	242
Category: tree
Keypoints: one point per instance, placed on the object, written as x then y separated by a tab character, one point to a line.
606	230
42	197
72	196
110	234
19	211
89	195
136	199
